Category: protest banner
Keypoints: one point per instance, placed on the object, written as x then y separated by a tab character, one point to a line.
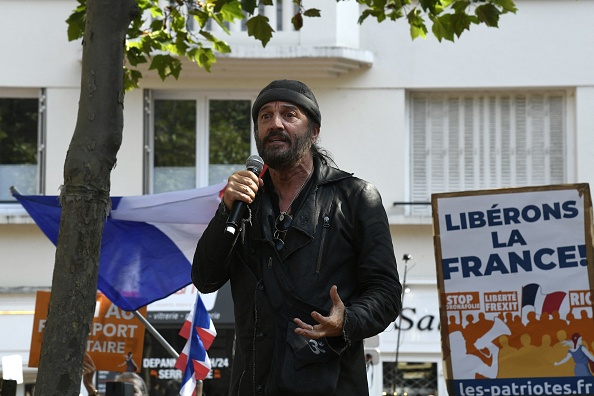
116	337
515	290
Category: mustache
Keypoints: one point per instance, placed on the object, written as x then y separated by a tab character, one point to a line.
277	135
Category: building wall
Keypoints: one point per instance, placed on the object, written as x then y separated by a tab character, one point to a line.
547	44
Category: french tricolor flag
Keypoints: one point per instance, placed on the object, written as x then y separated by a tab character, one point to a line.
148	241
200	332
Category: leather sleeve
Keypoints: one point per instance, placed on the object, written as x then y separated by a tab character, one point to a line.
211	267
380	300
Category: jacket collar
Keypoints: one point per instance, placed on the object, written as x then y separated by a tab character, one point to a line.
305	220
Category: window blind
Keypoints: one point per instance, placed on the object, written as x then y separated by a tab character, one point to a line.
474	141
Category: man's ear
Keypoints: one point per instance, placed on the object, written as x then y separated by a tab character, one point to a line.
315	134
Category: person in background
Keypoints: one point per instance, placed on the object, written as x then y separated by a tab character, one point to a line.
312	267
129	362
89	369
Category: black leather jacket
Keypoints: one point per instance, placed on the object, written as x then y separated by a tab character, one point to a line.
339	236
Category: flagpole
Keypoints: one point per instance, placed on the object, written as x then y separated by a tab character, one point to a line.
156	334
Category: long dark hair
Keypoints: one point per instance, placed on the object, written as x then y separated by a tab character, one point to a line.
324	155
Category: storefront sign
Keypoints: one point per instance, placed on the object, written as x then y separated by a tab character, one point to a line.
115	341
174	308
514	281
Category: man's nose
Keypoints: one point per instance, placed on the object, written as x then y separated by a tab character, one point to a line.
277	121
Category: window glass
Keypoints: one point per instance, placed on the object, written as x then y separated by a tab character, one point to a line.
174	145
229	138
198	141
18	146
474	141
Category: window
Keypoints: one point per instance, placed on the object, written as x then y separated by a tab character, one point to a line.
196	140
480	140
21	128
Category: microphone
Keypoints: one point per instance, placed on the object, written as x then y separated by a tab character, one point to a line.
255	164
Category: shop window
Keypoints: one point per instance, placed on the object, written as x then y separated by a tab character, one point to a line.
196	141
474	141
410	378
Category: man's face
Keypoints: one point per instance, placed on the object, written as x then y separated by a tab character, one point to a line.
283	134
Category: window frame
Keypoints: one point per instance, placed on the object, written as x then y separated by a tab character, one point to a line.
569	135
40	95
202	99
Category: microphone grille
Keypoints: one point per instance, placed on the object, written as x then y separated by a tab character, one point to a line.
255	163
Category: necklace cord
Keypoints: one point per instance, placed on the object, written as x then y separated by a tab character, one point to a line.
288	210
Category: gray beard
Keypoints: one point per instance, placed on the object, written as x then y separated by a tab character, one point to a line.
281	160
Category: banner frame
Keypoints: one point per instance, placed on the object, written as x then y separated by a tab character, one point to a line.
583	191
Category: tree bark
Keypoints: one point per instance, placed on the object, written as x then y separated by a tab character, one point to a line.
85	197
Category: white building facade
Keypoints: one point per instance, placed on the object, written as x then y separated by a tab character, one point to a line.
498	108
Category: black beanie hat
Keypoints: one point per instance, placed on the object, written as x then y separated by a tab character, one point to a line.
291	91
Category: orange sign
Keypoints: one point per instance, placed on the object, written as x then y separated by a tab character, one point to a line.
115	341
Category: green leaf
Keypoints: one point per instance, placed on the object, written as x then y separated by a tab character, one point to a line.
297	21
364	15
181	46
166	65
156	11
460	22
131	79
218	4
259	27
418	31
249	6
205	58
312	12
178	22
135	56
460	6
200	16
232	11
427	4
218	45
506	6
379	4
433	7
76	21
488	14
417	24
156	24
219	20
442	28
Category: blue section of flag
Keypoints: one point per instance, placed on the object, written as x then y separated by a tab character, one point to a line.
147	244
139	264
45	210
529	294
201	317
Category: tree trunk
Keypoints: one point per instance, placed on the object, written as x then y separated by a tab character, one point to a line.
85	197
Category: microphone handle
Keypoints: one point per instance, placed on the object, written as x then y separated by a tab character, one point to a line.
236	215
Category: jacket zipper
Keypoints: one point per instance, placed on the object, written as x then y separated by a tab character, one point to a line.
325	227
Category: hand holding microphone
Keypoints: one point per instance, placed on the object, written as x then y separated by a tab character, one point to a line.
254	164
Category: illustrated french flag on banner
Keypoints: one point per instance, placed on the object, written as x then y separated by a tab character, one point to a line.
533	297
200	332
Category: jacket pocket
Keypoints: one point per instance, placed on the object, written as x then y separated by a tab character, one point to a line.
304	367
